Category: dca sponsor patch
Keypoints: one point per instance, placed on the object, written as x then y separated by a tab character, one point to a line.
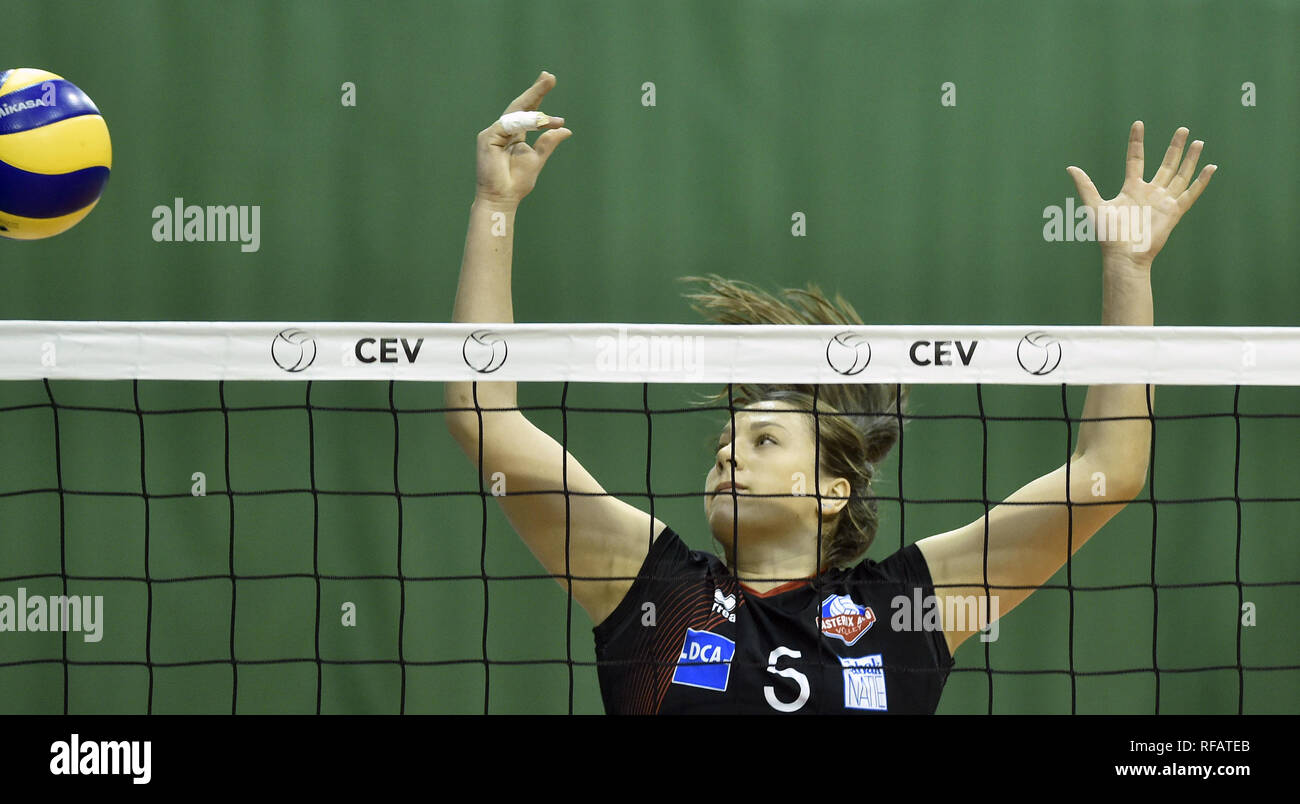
705	660
844	619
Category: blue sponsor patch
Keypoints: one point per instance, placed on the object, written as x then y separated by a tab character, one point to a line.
705	660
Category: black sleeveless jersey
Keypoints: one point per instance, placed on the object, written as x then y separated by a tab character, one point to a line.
689	638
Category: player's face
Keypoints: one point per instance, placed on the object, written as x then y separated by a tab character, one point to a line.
773	454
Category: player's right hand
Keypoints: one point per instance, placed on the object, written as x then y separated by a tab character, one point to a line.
507	166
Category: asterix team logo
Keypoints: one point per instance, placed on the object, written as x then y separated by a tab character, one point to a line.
844	619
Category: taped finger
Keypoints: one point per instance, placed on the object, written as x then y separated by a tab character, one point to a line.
516	122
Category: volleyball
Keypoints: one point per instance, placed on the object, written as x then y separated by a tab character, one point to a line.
55	154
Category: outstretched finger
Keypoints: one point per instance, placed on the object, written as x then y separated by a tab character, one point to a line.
1169	167
532	97
1133	166
1192	193
1087	190
1188	169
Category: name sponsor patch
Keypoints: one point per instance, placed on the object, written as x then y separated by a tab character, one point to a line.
705	661
864	682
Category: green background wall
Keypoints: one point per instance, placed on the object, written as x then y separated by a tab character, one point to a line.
916	212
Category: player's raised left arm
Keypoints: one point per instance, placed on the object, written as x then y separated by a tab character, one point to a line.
1030	536
1152	209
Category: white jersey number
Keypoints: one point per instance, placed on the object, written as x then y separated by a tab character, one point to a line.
799	678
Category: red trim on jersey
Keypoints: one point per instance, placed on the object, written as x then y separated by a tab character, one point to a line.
776	590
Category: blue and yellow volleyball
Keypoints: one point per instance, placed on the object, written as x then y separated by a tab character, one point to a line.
55	154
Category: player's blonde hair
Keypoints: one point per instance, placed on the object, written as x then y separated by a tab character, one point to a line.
857	424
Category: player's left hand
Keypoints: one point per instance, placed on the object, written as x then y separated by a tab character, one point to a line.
1155	206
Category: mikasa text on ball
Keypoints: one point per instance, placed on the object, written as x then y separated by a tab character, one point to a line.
55	154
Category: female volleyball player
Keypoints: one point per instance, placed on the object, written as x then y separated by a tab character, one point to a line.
793	619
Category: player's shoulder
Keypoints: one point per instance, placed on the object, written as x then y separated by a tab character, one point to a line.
671	550
669	564
905	565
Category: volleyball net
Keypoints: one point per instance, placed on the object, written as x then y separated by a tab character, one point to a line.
272	517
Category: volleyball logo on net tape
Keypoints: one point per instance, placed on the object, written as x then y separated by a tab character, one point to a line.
293	350
1039	353
484	351
848	353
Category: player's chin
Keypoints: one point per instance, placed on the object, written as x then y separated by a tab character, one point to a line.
723	512
725	503
719	513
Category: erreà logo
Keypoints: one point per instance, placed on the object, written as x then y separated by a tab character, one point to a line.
843	619
724	605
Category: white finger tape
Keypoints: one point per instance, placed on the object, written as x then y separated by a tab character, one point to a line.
516	122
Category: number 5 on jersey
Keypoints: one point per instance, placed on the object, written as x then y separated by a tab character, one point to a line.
769	692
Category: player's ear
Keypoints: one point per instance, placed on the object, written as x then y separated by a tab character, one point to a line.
835	496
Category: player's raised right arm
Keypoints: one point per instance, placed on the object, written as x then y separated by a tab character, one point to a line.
582	534
507	170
